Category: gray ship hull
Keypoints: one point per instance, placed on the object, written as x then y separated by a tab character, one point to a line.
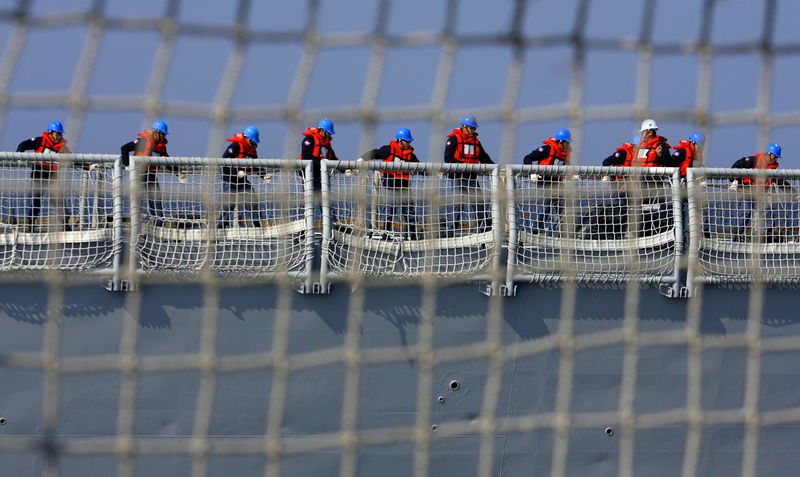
166	401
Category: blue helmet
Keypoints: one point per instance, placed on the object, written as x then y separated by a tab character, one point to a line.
563	135
404	134
469	121
326	125
637	139
775	150
160	125
251	132
55	126
697	138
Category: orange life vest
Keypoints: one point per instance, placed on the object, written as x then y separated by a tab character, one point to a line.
555	153
403	155
646	155
49	146
151	147
629	149
244	147
688	161
762	162
322	146
468	149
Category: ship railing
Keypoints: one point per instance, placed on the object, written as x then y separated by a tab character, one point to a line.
594	225
747	232
57	211
444	220
225	216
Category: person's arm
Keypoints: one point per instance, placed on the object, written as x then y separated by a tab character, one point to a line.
663	157
537	155
677	158
616	159
745	163
126	150
413	158
307	148
484	157
232	151
30	144
450	150
379	154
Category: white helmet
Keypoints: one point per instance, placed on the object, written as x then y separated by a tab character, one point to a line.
648	124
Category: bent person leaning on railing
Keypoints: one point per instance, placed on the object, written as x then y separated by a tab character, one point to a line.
398	206
45	175
150	142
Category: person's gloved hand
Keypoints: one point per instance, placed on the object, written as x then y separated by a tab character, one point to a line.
605	179
535	178
734	186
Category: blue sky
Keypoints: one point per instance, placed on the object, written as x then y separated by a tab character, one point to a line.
338	80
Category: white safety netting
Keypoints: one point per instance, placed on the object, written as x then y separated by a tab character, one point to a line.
239	216
55	215
434	222
521	39
747	231
597	227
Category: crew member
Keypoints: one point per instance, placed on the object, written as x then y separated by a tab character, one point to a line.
765	160
463	147
653	151
316	146
150	142
397	183
44	174
622	153
235	183
554	151
688	152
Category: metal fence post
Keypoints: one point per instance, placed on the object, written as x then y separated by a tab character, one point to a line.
677	210
326	227
308	191
136	219
118	229
511	220
694	239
